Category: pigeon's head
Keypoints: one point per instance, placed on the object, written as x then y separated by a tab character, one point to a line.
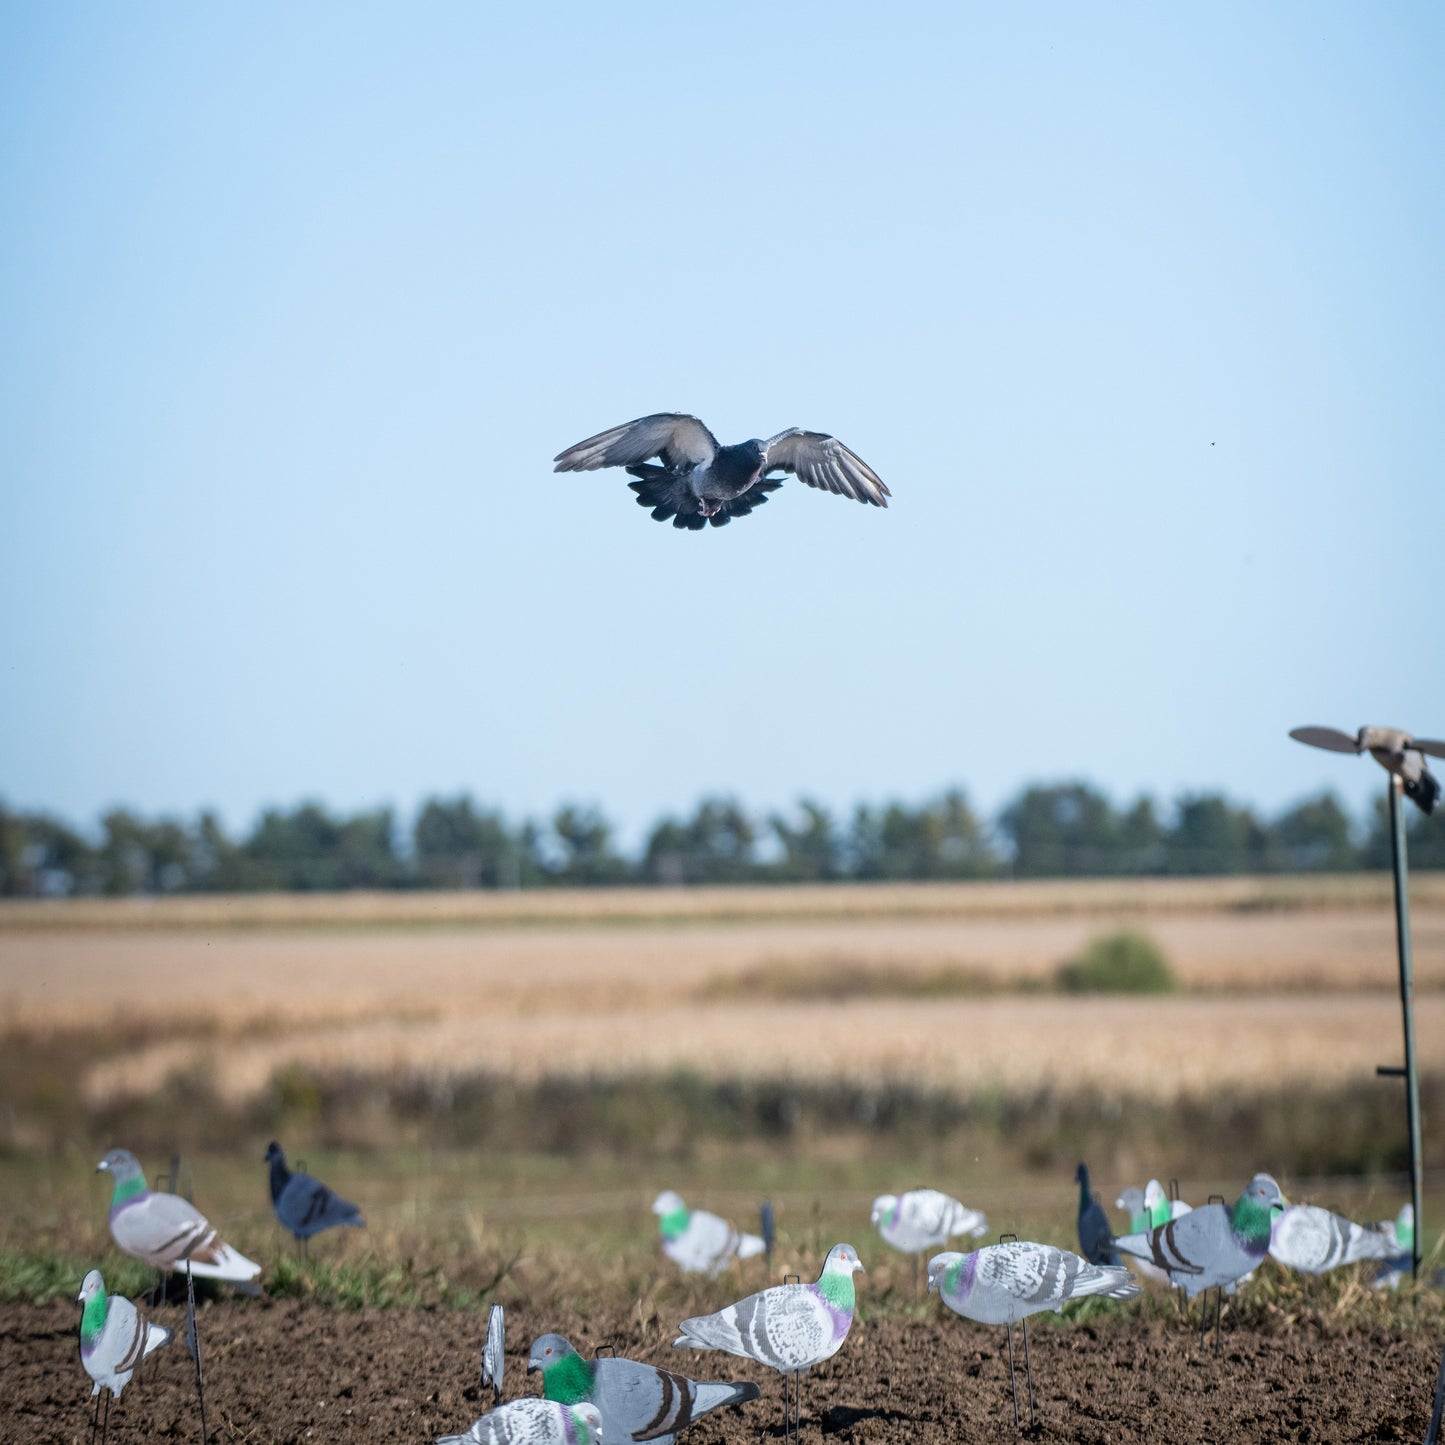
1081	1174
667	1203
883	1206
590	1418
91	1287
1154	1193
120	1162
940	1265
547	1350
1262	1190
842	1259
1131	1200
274	1154
756	451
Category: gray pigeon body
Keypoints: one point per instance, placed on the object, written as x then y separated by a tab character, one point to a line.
790	1327
533	1422
696	480
303	1203
114	1336
166	1231
1214	1245
637	1401
1001	1284
1312	1240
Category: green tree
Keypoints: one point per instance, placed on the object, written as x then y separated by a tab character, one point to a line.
1211	836
457	846
1065	830
1314	836
812	848
588	857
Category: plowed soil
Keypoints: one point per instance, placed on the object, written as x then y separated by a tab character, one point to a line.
287	1371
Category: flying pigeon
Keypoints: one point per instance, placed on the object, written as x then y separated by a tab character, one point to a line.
1312	1240
924	1219
494	1353
1094	1231
166	1231
637	1401
303	1204
1395	751
699	1242
1002	1284
700	481
1215	1245
533	1422
114	1336
790	1327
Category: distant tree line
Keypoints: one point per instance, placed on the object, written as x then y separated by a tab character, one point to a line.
1057	831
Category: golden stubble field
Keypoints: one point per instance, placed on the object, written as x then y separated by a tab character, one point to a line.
1284	980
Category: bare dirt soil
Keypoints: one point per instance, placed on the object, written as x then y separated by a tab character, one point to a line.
289	1371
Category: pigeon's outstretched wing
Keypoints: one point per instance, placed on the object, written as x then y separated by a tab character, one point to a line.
494	1353
1331	739
823	461
678	440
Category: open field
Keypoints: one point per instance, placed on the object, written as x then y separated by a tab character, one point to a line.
1285	979
373	1376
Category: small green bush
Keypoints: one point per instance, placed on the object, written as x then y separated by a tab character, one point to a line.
1122	962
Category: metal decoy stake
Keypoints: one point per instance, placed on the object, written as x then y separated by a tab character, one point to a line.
1403	757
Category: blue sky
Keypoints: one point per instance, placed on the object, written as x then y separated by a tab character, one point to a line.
1137	310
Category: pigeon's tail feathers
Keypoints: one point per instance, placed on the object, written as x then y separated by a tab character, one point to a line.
1112	1281
225	1264
712	1396
667	495
751	1244
710	1332
1423	791
156	1336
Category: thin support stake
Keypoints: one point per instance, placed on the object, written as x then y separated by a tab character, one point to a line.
193	1343
1012	1376
1407	1006
1029	1372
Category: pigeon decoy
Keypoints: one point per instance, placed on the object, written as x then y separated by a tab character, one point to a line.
494	1353
637	1401
700	481
1395	751
1214	1246
169	1232
304	1204
791	1327
924	1219
533	1422
1094	1231
699	1242
114	1338
1313	1240
1002	1284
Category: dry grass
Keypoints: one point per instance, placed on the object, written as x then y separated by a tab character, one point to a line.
945	986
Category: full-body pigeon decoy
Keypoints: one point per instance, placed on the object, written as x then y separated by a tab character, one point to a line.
700	481
1214	1246
924	1219
699	1242
637	1401
114	1338
1395	751
791	1327
1312	1240
1095	1236
168	1232
533	1422
1002	1284
304	1204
